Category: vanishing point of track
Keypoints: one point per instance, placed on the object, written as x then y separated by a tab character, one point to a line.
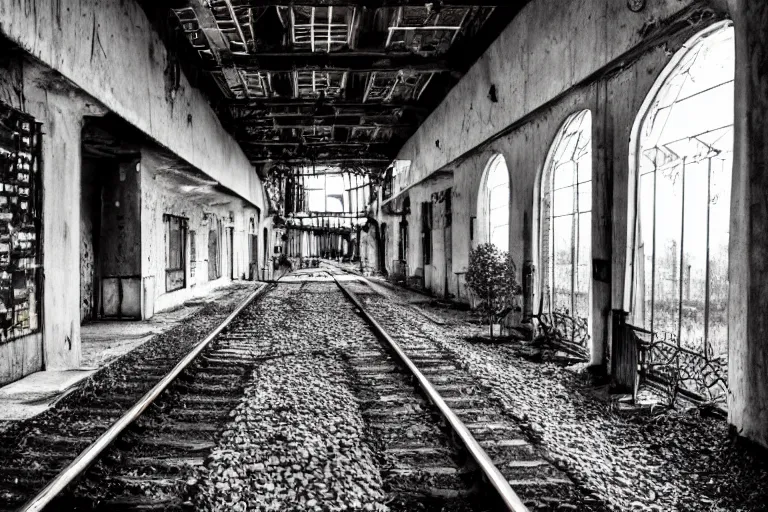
174	422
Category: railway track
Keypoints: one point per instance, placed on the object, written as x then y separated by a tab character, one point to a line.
126	446
443	447
538	483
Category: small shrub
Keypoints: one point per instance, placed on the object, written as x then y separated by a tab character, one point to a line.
492	278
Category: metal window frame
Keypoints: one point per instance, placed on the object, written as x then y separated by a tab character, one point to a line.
184	233
579	151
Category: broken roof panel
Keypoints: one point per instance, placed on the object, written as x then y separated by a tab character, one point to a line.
307	82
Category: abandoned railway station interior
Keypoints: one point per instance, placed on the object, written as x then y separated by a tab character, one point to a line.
384	255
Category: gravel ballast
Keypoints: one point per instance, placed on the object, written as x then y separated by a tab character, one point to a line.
33	451
665	462
295	443
297	440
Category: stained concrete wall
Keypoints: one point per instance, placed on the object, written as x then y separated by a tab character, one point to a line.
86	58
536	96
164	193
109	49
61	108
549	47
748	272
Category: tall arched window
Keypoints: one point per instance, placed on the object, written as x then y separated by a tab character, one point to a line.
683	152
566	213
493	204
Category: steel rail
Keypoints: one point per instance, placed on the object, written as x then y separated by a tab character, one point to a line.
94	450
489	470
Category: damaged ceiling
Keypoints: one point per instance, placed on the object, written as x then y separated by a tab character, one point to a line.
326	82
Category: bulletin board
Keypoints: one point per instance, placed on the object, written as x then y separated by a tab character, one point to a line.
20	224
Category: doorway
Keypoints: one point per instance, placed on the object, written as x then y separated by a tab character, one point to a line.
253	264
110	258
231	252
383	249
214	256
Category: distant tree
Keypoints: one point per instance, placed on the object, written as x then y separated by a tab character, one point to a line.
492	278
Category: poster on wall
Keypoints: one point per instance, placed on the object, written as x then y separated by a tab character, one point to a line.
20	223
192	257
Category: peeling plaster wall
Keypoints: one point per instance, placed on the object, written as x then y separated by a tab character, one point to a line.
109	49
159	198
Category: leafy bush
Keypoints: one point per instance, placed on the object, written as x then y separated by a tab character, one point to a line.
492	278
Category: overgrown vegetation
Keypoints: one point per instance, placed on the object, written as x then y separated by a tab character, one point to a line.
491	276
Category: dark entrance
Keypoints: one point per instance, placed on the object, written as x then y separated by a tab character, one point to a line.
110	225
266	246
383	249
231	252
402	251
253	264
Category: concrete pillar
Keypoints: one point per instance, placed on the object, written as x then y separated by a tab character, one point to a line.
61	111
605	175
748	272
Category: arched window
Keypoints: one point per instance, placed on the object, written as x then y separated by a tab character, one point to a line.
493	204
683	153
566	214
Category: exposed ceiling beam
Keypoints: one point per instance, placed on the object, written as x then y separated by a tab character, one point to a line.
340	61
311	107
325	144
217	42
253	126
297	116
369	161
378	3
310	102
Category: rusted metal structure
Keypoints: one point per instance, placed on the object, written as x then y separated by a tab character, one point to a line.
332	83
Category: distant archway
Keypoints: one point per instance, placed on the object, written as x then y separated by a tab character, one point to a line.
493	204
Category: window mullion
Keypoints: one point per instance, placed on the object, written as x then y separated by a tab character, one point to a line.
574	250
706	267
682	259
552	246
653	242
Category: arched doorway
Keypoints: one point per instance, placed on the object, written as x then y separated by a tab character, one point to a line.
493	204
565	247
682	158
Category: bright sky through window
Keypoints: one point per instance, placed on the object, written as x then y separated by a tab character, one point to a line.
685	157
